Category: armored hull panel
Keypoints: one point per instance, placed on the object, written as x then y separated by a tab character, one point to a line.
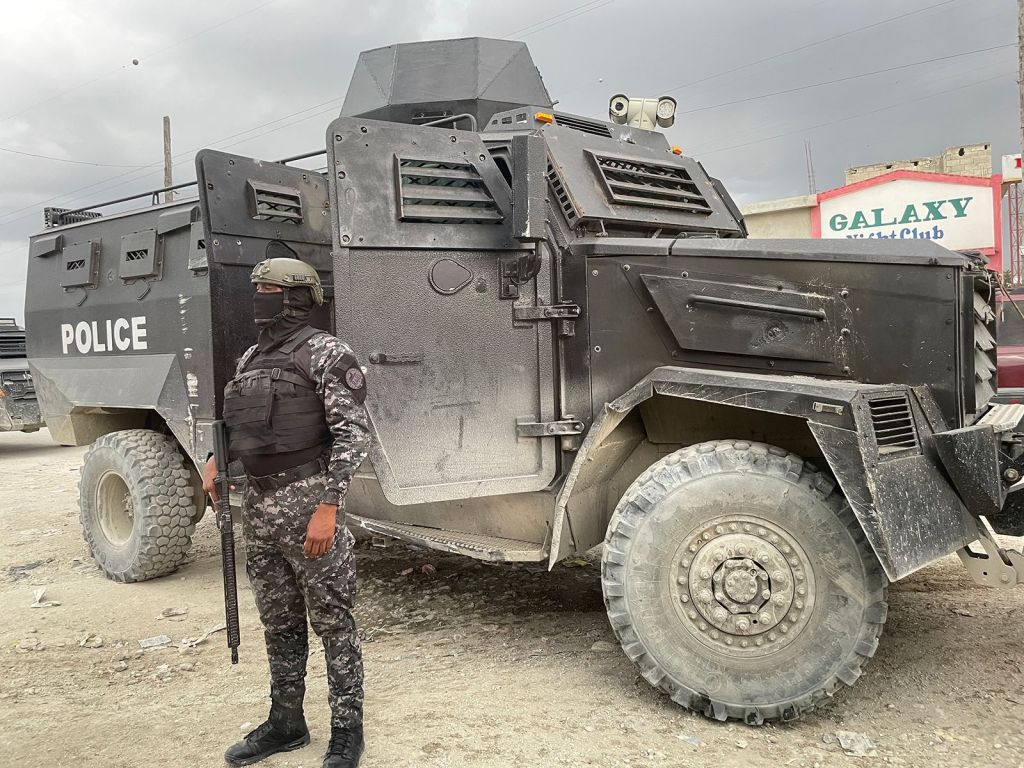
876	313
438	79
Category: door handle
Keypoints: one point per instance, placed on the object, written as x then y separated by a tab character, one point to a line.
385	358
814	314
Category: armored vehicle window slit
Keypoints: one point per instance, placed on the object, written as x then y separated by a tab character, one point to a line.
139	257
81	265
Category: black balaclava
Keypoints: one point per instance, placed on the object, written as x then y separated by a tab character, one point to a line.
279	315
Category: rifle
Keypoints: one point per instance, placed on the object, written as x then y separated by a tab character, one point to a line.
227	536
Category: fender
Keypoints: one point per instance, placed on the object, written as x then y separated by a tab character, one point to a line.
87	405
909	511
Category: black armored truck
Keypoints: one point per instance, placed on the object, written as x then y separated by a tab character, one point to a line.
568	341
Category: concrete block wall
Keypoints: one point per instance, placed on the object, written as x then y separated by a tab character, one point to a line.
786	218
969	160
962	160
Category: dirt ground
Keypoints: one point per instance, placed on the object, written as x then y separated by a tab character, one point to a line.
467	664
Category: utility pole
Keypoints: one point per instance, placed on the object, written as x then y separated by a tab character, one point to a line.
168	177
812	184
1014	190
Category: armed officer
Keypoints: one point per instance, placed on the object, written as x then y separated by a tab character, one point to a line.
295	419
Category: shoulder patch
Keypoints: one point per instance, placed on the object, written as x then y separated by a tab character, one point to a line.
351	375
354	378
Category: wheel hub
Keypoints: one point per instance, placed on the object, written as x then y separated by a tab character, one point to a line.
115	509
744	584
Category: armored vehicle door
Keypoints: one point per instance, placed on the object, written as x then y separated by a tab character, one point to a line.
461	389
253	210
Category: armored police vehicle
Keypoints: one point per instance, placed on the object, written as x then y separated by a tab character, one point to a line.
19	410
568	341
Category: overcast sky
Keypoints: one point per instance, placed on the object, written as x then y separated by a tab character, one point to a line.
227	72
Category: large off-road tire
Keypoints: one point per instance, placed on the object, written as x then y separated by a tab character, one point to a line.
738	580
137	504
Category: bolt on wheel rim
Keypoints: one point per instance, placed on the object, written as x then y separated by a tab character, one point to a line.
742	584
115	509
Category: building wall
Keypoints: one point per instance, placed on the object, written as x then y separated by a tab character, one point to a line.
794	223
963	160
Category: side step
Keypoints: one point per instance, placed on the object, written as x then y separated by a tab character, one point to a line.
1002	418
492	548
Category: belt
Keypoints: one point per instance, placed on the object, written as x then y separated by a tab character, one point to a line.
288	476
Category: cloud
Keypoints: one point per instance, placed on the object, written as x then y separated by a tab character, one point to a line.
70	89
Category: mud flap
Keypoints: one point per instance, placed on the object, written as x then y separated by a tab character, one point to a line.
971	456
910	513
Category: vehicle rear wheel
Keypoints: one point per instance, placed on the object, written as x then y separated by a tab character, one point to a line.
738	580
138	504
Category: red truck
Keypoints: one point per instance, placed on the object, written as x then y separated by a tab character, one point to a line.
1010	333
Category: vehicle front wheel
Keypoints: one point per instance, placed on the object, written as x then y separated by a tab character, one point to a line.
138	504
738	580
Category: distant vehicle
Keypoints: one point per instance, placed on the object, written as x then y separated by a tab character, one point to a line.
568	341
19	409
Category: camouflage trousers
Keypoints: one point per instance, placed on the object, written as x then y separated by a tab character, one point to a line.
288	586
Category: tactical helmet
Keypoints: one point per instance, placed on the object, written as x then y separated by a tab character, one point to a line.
289	273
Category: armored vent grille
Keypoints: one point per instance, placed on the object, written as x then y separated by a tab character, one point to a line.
12	345
270	202
662	186
58	217
74	264
585	126
561	196
137	255
444	193
893	422
984	345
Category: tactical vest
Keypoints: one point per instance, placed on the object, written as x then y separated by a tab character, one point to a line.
271	406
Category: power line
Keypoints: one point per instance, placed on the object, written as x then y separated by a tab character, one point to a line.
152	165
852	116
79	86
787	123
846	79
808	45
186	154
596	3
567	18
706	152
66	160
536	27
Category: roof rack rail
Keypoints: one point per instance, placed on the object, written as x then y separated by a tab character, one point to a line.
58	217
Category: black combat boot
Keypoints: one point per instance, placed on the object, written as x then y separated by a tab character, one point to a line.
284	731
346	747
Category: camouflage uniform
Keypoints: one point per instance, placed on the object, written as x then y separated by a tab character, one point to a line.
288	585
